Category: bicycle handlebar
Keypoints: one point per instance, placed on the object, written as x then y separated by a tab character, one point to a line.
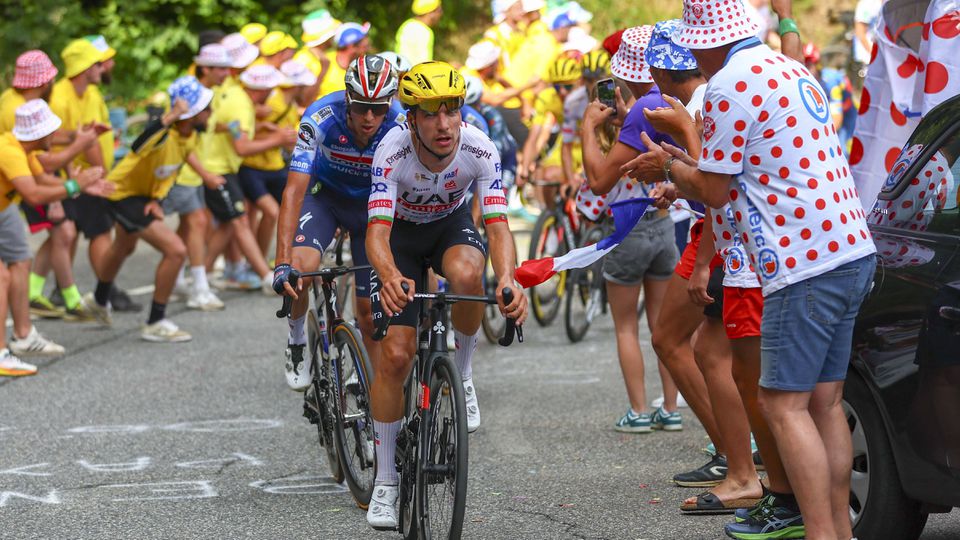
327	273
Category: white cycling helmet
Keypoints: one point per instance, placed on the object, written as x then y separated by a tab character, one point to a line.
370	78
474	89
400	62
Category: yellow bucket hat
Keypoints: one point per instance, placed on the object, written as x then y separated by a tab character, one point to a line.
422	7
100	43
253	32
78	56
275	42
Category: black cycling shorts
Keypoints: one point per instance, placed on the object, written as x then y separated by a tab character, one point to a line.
225	202
130	215
91	214
415	246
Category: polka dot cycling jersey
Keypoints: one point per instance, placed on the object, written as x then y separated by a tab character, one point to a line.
767	122
737	270
403	187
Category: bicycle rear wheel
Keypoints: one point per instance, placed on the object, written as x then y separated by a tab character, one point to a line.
584	301
547	241
318	403
442	465
353	430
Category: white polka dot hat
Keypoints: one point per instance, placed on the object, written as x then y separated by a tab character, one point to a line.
708	24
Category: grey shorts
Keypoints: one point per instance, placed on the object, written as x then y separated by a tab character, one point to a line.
648	252
183	200
13	236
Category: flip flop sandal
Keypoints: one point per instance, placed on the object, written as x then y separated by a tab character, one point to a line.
709	503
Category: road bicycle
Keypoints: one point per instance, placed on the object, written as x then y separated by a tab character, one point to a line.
586	295
555	233
338	400
431	455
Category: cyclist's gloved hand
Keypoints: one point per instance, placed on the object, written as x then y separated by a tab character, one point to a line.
281	275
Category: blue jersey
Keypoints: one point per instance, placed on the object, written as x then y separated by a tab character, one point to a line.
326	150
474	118
501	137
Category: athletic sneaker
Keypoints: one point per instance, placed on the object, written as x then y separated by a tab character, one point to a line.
667	421
266	286
121	301
43	308
708	475
298	368
249	280
204	301
711	449
382	512
11	366
765	521
181	291
35	345
473	407
658	402
80	313
164	331
102	313
633	423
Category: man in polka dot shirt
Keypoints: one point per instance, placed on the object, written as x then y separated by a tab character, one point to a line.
769	149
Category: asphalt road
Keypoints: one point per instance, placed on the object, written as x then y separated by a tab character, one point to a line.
125	439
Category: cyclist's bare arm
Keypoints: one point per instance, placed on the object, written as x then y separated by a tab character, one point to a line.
288	219
502	254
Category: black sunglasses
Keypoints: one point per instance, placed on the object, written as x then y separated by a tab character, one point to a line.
567	87
361	108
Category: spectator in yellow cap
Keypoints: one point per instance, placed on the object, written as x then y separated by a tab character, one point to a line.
106	59
253	32
277	47
415	35
319	29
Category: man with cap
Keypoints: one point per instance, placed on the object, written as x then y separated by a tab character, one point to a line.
483	62
415	35
142	179
644	261
263	176
22	175
106	59
352	42
236	112
319	28
807	239
538	48
185	198
33	79
277	47
253	32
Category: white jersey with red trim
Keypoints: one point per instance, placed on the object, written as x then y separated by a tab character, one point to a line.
404	188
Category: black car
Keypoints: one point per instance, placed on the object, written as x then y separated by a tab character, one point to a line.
902	394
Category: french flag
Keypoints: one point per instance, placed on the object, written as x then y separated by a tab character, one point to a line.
626	214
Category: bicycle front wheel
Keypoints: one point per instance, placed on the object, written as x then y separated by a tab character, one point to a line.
547	241
442	465
353	430
318	403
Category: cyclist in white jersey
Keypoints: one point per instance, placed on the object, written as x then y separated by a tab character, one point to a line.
418	214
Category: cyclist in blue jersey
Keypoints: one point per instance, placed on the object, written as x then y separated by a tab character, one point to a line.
474	118
496	129
327	189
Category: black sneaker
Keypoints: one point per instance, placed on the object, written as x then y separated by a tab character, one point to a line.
766	521
121	301
708	475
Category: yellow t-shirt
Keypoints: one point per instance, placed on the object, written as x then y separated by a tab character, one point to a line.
333	80
494	87
75	111
151	167
533	57
10	100
14	163
415	41
235	112
548	101
508	39
282	114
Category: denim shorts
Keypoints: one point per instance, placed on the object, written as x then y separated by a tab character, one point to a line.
806	333
649	251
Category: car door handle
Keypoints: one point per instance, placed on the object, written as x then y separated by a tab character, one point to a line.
950	313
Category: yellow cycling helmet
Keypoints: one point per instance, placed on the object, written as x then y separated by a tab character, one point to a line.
564	70
430	85
596	64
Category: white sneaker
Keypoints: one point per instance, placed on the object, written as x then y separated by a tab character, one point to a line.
657	403
181	291
473	407
204	301
164	331
298	367
11	366
35	345
382	512
266	285
102	313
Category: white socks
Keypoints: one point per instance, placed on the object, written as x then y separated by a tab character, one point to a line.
386	448
199	274
298	332
466	346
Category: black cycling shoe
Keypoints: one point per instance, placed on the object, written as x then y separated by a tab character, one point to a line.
708	475
121	301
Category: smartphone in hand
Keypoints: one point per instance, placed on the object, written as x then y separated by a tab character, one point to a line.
606	93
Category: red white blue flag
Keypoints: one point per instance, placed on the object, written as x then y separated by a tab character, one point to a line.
626	214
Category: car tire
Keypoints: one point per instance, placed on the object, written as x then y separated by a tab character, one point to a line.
887	512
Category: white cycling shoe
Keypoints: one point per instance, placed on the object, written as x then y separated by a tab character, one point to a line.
473	406
298	368
382	512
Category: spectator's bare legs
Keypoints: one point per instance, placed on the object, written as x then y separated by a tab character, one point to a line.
19	298
267	227
623	308
174	253
4	297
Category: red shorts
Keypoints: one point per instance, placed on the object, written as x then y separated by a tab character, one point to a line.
685	266
742	311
